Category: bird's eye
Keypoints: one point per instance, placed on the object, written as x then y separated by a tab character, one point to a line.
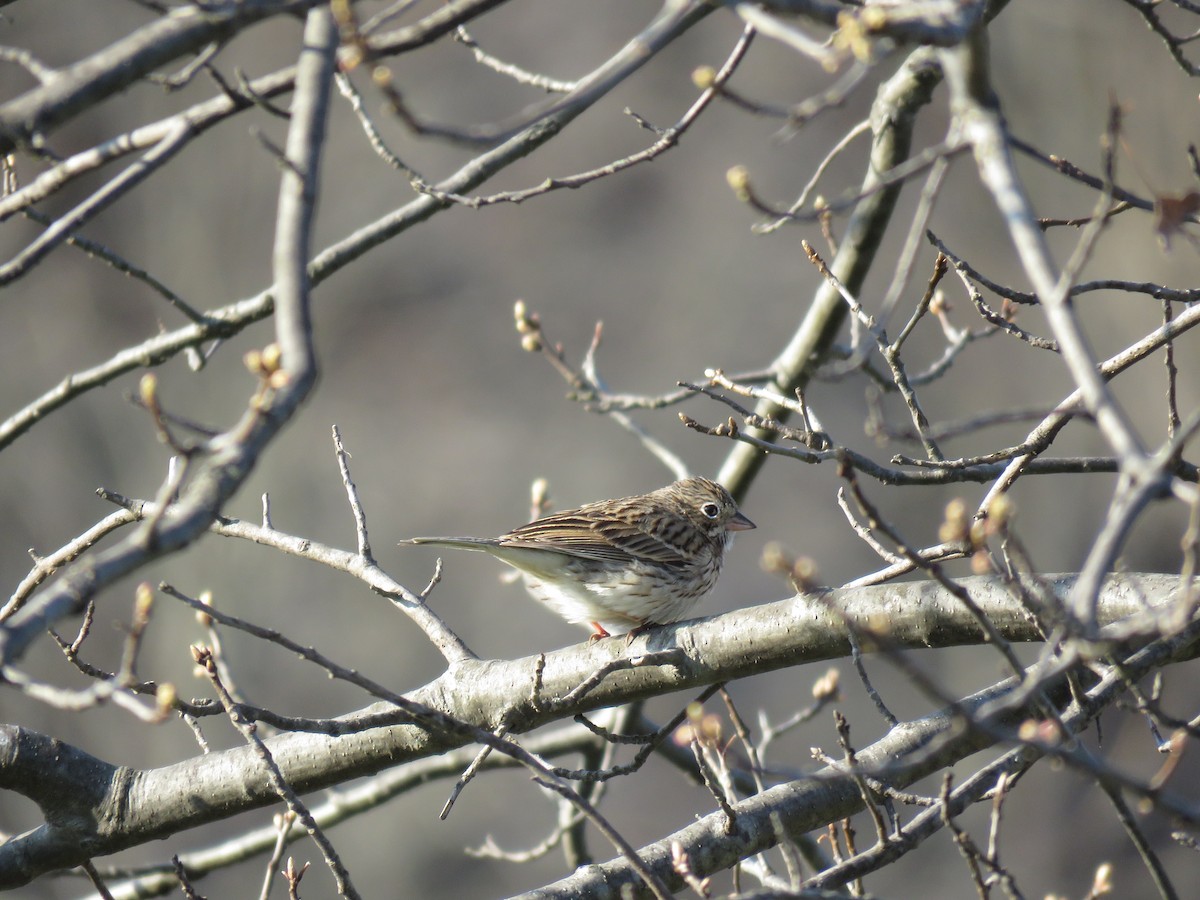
710	510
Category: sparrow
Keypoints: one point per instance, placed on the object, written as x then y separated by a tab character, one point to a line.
617	566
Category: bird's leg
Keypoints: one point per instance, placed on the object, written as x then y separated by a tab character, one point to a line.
599	633
638	631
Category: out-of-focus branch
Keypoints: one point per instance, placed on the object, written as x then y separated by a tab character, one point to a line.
27	119
46	566
893	117
231	319
62	228
1005	465
1143	475
982	124
937	22
220	466
675	17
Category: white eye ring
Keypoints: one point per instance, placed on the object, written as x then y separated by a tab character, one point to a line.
710	510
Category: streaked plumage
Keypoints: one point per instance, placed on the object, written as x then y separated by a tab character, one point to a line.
621	564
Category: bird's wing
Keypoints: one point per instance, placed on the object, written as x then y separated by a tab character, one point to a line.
592	537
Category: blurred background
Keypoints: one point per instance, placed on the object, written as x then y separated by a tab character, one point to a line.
449	422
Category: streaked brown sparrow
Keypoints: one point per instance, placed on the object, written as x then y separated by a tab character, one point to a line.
619	565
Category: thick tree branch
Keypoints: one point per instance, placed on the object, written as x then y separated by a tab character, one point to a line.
132	807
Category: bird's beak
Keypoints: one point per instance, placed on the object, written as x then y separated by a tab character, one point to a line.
739	523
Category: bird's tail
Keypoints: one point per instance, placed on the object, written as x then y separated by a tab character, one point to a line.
463	543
